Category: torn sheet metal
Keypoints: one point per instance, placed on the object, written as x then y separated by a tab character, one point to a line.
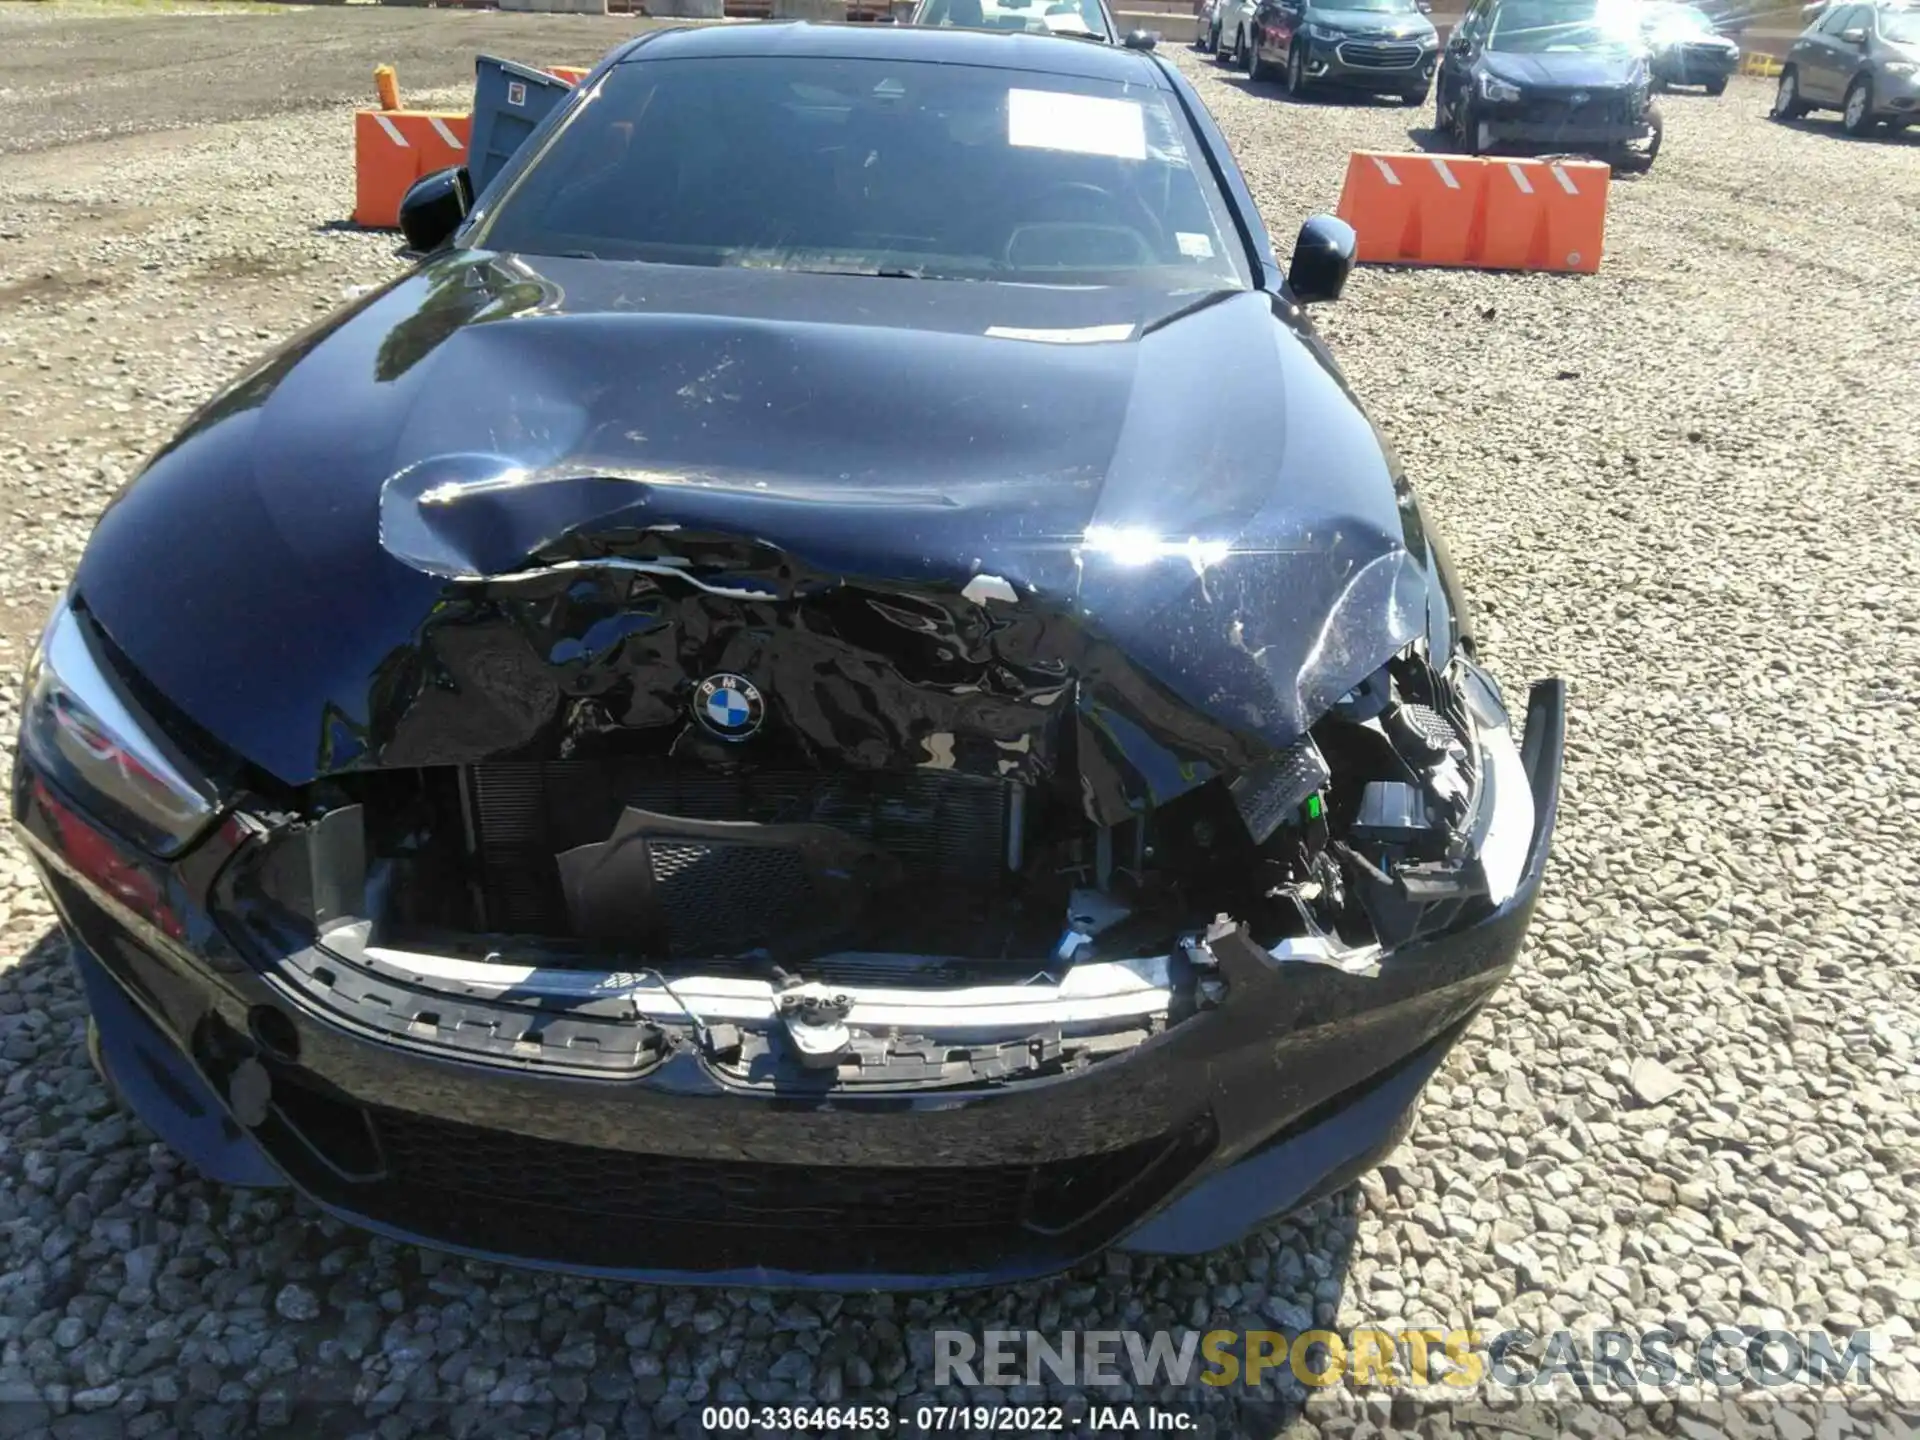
508	508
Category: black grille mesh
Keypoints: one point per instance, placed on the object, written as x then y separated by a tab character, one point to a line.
526	813
727	896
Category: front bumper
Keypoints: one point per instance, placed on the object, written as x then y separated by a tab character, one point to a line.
1516	126
1305	1076
1380	67
1896	95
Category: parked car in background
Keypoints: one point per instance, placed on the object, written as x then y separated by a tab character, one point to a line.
1205	11
1085	19
1863	60
1383	47
1684	47
1537	76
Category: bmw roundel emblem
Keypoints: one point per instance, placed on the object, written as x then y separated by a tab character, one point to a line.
730	706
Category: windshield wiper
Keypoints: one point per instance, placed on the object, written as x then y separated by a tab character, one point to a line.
880	272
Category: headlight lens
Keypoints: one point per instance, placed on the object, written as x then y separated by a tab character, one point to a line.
1498	90
1321	32
1902	67
86	738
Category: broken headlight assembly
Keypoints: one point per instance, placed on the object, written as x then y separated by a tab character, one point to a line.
1403	813
85	736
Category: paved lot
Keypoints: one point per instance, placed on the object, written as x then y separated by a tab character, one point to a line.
1686	484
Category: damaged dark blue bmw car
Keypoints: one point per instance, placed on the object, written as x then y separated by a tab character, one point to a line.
834	689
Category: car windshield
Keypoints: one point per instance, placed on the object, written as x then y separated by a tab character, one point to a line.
1536	27
1372	7
1900	26
1043	17
877	167
1675	19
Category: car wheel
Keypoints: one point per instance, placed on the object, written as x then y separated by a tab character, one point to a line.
1638	159
1222	54
1414	97
1296	73
1787	104
1467	127
1251	53
1442	122
1857	118
1717	85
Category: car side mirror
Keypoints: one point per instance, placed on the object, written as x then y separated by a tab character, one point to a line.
1322	259
1854	36
1457	45
433	208
1425	7
1142	39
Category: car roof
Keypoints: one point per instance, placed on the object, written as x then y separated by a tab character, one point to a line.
990	49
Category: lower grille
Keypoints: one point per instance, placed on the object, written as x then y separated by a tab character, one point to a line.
1374	55
1563	110
708	892
543	1200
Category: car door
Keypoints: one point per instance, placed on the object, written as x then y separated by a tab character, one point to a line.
1826	60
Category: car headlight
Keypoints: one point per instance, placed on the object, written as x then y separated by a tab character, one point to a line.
1902	67
79	729
1321	32
1497	90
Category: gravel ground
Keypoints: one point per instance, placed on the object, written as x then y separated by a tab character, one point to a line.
1684	484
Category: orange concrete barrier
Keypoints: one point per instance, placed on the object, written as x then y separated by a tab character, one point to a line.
394	148
1544	215
1486	213
572	74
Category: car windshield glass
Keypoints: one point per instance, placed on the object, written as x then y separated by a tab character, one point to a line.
1041	17
1372	7
1901	26
1533	27
877	167
1675	19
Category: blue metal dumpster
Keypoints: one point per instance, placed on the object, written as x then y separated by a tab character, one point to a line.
509	101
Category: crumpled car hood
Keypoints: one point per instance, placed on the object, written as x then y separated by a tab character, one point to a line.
508	506
1596	69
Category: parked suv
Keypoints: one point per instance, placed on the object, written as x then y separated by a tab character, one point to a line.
1684	48
1863	60
1386	47
1542	76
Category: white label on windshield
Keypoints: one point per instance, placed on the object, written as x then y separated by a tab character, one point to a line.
1194	247
1084	124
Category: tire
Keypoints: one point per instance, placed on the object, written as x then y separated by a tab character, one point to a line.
1257	69
1414	97
1856	118
1468	128
1787	104
1204	41
1296	74
1717	85
1224	56
1442	122
1638	162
